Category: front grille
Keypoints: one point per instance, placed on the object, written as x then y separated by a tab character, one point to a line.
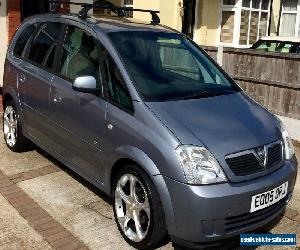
247	163
244	165
274	155
239	222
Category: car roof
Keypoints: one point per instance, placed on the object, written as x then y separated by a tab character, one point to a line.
281	39
108	23
114	24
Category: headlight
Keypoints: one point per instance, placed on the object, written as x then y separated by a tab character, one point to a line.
288	143
199	165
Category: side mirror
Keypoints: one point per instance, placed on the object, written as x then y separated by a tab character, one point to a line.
86	84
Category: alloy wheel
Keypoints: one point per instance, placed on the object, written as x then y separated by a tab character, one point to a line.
10	126
132	207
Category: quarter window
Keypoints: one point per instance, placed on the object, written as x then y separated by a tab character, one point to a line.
23	39
80	56
116	87
43	45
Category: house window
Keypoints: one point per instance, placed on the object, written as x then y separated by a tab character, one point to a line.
244	21
128	4
290	18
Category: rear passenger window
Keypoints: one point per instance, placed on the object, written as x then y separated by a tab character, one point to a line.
23	39
44	44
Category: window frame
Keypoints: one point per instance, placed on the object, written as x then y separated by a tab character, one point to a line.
58	56
297	24
28	41
106	88
237	9
126	5
28	47
99	44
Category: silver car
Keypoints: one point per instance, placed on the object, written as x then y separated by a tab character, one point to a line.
145	115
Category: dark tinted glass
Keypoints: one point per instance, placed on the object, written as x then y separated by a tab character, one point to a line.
167	66
50	59
116	86
23	39
44	43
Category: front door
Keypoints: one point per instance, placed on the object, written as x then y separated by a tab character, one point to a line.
79	117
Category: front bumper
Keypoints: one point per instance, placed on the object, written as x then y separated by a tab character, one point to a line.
205	214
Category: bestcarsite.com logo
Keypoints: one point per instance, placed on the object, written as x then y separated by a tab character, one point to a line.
269	240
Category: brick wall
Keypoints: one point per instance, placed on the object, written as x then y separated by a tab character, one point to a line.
13	16
65	8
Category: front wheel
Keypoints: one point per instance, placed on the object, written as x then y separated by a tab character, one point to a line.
137	209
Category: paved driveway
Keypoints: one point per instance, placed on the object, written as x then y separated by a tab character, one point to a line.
46	206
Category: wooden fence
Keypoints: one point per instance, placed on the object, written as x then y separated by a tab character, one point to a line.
272	79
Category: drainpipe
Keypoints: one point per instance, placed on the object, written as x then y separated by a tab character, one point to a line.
196	23
279	19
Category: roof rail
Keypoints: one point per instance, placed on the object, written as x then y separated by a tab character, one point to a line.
103	4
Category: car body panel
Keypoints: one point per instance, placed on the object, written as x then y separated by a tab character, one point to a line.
216	121
79	119
142	141
90	135
204	218
34	88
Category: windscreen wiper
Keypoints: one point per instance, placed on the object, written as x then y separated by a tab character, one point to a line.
204	93
207	93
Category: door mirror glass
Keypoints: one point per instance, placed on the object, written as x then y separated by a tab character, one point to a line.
86	84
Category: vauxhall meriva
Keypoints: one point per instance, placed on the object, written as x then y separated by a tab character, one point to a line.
145	115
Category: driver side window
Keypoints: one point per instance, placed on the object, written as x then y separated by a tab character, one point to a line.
79	57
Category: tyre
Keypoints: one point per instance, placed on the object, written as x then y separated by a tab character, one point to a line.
12	131
137	209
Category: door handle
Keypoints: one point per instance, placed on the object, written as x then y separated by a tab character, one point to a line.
57	99
22	78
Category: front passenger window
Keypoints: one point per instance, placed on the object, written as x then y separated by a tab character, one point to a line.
79	57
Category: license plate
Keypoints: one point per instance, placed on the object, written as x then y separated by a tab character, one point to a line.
268	198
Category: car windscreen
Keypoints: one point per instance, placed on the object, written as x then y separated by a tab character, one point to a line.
167	66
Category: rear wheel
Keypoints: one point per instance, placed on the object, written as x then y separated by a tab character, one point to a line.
12	128
137	209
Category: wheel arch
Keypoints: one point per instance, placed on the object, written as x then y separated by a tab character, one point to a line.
9	94
6	98
132	155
